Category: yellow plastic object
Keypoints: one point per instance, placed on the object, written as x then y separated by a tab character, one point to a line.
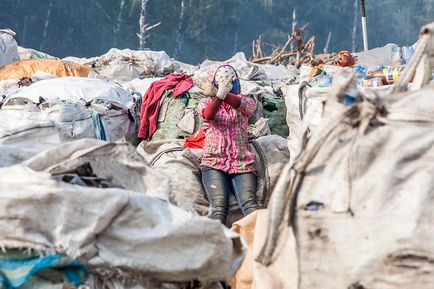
27	68
392	74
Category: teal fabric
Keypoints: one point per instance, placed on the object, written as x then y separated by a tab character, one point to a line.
16	270
98	126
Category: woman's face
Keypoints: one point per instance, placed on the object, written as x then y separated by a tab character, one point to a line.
227	73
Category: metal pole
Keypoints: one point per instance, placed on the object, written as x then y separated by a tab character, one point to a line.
365	33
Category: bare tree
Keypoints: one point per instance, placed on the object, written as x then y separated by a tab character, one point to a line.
23	39
354	27
143	26
179	34
268	3
237	27
235	41
326	47
47	22
119	18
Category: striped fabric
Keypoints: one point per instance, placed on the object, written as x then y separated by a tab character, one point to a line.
392	74
226	146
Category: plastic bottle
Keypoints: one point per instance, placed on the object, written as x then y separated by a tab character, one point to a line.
360	70
407	54
321	80
396	54
388	74
361	73
372	82
350	96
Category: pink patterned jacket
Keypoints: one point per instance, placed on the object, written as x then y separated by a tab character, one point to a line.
226	146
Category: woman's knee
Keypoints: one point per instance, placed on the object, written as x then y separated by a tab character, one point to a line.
217	191
244	186
215	186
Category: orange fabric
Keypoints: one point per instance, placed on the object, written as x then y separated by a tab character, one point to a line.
27	68
316	70
243	279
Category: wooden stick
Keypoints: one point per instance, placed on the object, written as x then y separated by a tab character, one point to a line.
262	59
283	49
305	26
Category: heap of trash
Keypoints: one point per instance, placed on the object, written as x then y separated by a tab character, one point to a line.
99	191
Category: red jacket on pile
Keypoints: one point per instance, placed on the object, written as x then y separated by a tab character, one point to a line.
180	83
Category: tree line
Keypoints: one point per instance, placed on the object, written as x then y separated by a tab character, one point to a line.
193	30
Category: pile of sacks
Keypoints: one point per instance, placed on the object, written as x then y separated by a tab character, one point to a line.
122	219
100	204
358	195
133	217
53	111
371	72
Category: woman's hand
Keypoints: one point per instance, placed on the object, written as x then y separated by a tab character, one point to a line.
224	88
206	86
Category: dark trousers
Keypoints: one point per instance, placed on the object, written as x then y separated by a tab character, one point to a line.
219	185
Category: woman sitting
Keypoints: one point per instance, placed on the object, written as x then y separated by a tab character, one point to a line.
228	162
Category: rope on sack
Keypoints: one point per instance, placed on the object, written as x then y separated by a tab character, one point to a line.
26	129
160	154
264	167
285	192
302	97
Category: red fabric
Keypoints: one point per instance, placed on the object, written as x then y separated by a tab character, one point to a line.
196	140
233	100
211	109
180	83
